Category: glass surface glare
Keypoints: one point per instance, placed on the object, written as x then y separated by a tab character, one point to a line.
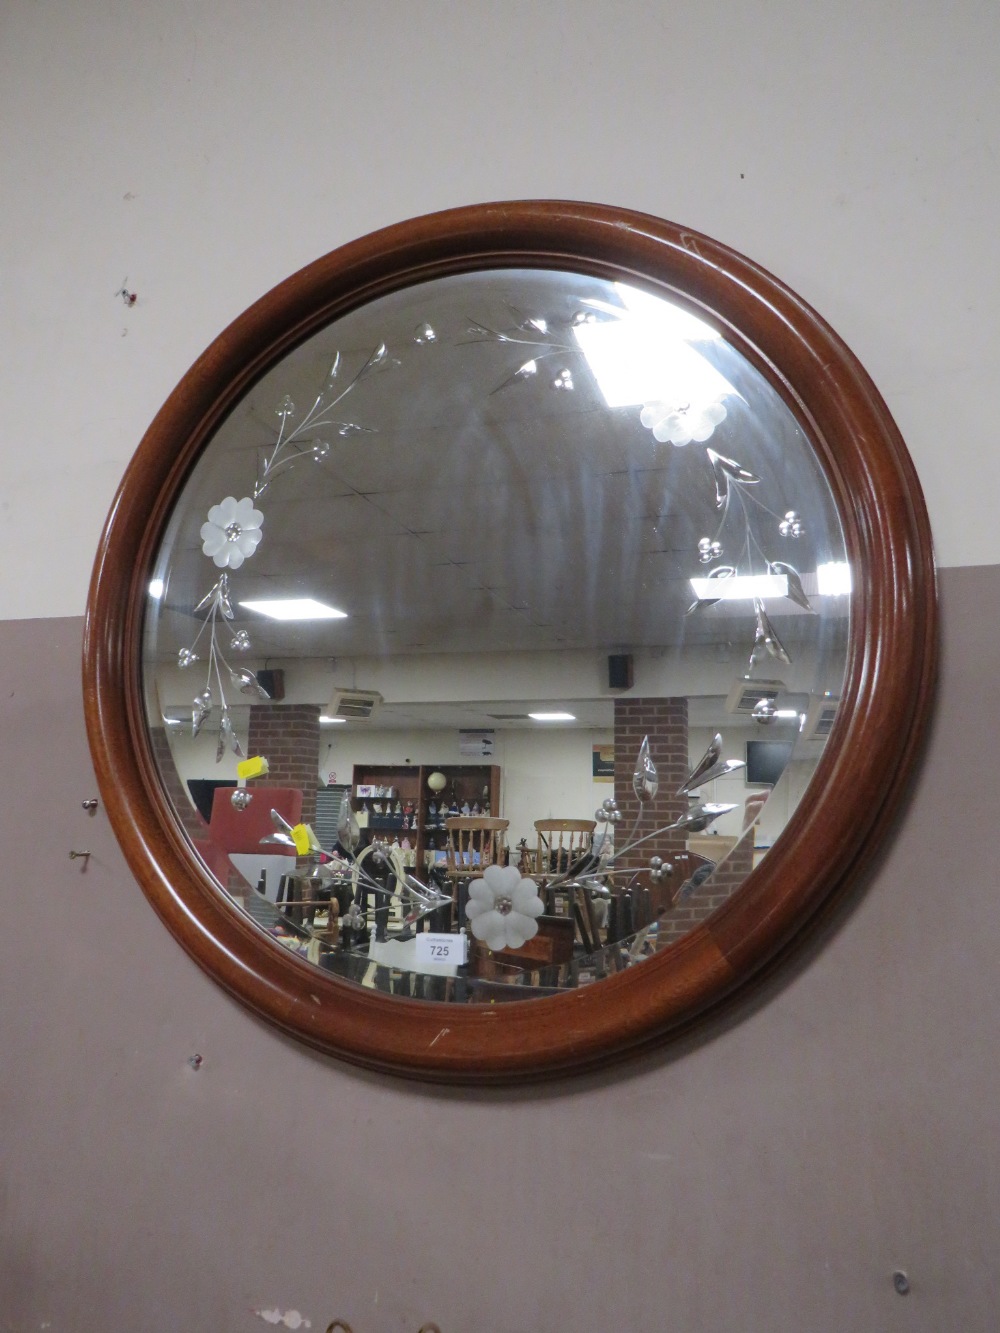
518	493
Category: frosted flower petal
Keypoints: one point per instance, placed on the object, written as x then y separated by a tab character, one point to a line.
503	907
232	533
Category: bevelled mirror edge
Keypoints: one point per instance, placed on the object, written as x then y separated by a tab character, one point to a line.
888	684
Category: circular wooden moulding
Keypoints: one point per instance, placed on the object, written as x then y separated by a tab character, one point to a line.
885	700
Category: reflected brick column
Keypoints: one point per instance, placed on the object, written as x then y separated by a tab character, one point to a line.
665	722
724	882
287	735
191	821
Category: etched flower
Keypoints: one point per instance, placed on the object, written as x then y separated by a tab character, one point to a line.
232	532
502	908
680	423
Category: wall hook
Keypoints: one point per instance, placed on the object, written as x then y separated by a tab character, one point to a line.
75	856
90	804
339	1323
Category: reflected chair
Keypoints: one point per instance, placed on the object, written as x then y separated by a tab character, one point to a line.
238	833
474	842
561	842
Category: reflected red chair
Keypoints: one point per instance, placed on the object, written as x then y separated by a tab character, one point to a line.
241	831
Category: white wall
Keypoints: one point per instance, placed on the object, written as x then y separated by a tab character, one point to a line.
208	150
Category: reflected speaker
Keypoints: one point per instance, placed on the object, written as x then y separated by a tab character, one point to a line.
620	671
273	682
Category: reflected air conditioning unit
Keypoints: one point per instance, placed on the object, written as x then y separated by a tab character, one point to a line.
354	704
746	694
820	716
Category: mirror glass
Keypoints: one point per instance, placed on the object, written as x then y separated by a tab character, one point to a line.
495	635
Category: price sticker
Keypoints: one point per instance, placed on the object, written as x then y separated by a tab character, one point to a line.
441	950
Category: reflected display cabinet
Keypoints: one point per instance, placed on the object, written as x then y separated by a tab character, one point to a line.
415	811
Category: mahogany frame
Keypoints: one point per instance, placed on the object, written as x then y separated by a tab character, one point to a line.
886	700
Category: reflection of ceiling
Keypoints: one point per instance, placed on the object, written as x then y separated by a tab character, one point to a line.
474	519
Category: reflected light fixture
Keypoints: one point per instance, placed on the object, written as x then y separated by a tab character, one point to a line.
295	608
643	355
834	579
739	586
552	717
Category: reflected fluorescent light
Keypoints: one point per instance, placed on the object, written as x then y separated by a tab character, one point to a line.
667	316
740	586
295	608
156	587
328	720
643	356
834	579
780	712
670	318
552	717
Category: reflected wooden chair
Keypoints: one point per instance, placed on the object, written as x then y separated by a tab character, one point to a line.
474	842
560	842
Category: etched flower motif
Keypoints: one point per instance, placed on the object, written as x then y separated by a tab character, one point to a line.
503	907
680	423
232	532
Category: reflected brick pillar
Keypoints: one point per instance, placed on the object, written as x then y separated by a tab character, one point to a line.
665	722
191	821
724	882
287	735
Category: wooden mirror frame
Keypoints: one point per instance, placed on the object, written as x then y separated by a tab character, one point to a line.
886	698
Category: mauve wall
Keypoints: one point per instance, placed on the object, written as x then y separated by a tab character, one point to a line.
770	1175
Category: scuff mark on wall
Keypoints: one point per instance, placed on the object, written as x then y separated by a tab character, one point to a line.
290	1319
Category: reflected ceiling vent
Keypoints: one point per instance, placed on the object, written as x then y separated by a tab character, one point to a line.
747	694
358	704
508	717
820	716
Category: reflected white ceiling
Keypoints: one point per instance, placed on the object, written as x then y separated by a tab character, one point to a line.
476	518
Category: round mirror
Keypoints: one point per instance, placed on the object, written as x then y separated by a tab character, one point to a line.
496	613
